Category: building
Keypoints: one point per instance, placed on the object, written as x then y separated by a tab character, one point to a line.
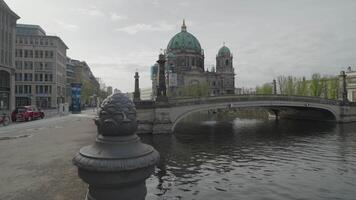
70	78
351	84
116	91
109	90
40	62
80	72
146	93
8	21
186	74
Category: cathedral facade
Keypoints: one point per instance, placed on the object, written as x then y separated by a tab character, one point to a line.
185	71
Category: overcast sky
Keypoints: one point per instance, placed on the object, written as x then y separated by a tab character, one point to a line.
267	38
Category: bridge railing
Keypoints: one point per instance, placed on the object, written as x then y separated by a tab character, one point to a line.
199	100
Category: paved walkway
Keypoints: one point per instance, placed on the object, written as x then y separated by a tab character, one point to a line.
35	158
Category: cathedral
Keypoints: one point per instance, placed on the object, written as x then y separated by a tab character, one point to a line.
185	69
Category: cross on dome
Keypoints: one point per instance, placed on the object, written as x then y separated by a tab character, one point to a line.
184	27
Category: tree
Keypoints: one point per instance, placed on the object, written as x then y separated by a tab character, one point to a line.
266	88
315	85
333	88
301	87
196	90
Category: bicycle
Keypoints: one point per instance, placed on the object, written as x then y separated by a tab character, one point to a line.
4	119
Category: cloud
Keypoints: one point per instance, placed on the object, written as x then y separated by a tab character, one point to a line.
67	26
92	11
133	29
184	4
116	17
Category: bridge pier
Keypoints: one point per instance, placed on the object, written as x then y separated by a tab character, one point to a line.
162	123
276	114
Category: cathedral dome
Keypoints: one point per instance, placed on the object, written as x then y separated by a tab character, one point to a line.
184	41
224	51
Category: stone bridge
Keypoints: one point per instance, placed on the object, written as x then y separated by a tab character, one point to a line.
161	117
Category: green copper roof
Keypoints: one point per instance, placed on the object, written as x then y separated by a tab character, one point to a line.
184	40
224	51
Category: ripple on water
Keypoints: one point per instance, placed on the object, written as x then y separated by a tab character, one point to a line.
255	159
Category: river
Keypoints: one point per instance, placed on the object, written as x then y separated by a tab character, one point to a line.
255	159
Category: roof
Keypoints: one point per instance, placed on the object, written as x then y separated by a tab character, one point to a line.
224	51
184	41
3	3
31	27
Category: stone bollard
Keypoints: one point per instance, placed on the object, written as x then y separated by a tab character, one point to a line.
117	165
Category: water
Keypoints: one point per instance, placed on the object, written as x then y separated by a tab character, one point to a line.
255	159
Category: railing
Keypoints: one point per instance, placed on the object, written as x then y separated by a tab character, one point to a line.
179	101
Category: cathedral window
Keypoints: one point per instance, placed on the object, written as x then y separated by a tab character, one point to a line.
227	62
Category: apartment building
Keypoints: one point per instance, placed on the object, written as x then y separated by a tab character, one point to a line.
40	62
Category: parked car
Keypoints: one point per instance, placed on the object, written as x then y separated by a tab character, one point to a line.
26	113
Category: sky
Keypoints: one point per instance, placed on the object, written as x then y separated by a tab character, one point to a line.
267	38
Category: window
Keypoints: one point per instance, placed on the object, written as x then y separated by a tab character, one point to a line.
48	66
227	62
18	53
18	65
18	77
38	66
28	65
27	89
28	53
27	77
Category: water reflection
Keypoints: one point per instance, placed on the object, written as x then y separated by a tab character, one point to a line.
255	159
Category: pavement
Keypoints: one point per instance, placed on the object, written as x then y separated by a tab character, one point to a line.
35	157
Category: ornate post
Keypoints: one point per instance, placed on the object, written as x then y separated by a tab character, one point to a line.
161	90
137	95
117	164
274	87
343	89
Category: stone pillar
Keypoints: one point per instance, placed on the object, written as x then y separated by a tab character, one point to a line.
12	98
274	87
161	89
137	95
343	87
118	163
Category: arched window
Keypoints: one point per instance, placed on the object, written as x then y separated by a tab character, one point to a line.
227	62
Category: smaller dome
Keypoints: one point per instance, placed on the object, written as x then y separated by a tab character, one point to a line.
224	51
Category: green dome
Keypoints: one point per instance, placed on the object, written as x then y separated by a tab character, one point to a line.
224	51
184	40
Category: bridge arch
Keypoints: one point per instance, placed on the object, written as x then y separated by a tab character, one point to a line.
179	112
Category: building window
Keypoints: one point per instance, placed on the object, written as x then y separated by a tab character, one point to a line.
227	62
27	89
28	53
18	77
28	65
18	53
38	66
27	77
18	65
48	66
